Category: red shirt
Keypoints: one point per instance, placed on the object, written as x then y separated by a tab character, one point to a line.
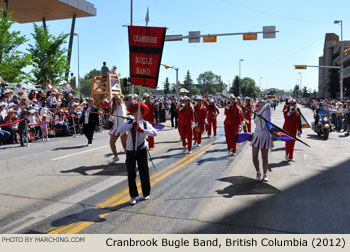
186	116
150	116
234	116
292	122
201	113
211	110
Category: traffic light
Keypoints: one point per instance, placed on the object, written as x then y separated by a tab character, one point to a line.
300	66
346	51
166	66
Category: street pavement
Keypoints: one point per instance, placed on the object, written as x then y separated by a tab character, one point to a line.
62	186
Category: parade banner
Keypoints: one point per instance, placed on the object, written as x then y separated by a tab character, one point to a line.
146	48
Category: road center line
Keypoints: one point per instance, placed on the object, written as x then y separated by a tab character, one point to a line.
123	196
77	153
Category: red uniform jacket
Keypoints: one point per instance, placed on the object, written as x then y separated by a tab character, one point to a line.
150	116
201	113
212	110
186	116
292	122
234	116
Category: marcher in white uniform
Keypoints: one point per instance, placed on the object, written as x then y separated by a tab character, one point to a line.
119	111
261	139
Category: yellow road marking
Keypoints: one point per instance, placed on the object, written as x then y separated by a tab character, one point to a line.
123	196
77	153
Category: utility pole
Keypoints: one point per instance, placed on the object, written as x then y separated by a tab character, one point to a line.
341	57
239	86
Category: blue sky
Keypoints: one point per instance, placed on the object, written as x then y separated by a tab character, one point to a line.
302	25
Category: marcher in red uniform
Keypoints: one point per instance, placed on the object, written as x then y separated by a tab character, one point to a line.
150	117
248	114
213	112
185	123
201	117
292	125
233	124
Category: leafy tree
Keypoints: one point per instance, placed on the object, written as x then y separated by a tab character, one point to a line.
166	86
49	58
86	82
188	82
210	83
235	86
249	88
194	91
305	92
296	90
12	61
333	86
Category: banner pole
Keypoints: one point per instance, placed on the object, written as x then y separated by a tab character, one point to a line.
137	119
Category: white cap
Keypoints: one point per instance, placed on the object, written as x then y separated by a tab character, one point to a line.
145	95
2	103
211	100
186	98
291	100
232	96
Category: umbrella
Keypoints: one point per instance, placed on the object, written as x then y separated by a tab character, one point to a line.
184	90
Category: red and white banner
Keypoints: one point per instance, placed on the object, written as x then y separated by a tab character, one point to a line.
146	48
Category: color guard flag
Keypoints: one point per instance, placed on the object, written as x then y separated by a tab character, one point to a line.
146	48
304	123
277	134
242	137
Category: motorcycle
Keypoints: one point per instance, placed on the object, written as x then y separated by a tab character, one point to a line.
322	126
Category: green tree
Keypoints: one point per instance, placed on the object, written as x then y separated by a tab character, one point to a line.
249	88
12	61
235	86
305	92
296	90
166	86
210	83
48	56
188	82
194	91
86	82
333	86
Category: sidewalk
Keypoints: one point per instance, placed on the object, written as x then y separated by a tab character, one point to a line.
307	196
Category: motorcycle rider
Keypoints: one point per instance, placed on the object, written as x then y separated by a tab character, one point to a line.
320	109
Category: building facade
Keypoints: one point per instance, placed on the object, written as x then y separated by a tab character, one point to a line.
331	57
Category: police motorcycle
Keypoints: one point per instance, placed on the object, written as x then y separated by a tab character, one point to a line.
322	125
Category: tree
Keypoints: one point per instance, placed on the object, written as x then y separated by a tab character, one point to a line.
235	86
249	88
188	82
296	90
49	58
305	92
210	83
333	86
86	82
166	86
12	61
194	91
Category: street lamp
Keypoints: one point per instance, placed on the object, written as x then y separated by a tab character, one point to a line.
239	86
260	83
300	83
341	57
76	34
177	76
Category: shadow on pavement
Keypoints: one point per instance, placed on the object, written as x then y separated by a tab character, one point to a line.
216	150
107	170
70	147
169	156
317	205
241	185
211	159
168	142
280	164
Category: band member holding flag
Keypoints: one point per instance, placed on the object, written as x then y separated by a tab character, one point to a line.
292	124
150	117
233	124
201	116
261	139
119	113
213	112
140	155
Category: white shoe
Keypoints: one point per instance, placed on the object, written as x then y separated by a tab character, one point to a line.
189	152
229	152
115	159
291	159
258	176
199	145
265	179
287	157
234	153
146	198
132	201
88	145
